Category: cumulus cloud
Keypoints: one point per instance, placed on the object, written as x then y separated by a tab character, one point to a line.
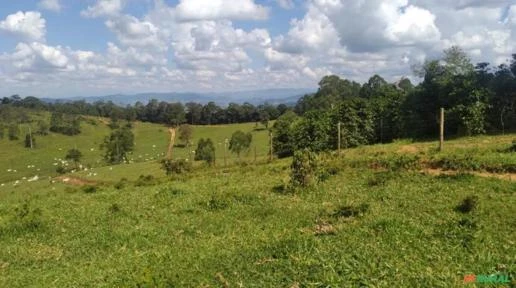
200	44
103	8
28	25
189	10
130	31
36	57
52	5
374	25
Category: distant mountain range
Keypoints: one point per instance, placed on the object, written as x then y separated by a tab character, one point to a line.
255	97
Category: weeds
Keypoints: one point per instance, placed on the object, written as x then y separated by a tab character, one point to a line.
143	181
351	211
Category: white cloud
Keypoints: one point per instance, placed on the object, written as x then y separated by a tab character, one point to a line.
378	24
191	10
37	57
286	4
52	5
315	32
103	8
132	32
28	25
201	44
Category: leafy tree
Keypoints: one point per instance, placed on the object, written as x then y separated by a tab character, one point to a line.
75	156
283	142
118	144
205	151
185	134
357	123
194	113
264	119
65	124
313	131
240	142
43	128
13	132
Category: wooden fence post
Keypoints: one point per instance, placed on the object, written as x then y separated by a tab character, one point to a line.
339	135
441	131
271	156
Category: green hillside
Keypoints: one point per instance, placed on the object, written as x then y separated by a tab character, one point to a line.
391	216
151	142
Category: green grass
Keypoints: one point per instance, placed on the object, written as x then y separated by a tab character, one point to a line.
364	227
151	143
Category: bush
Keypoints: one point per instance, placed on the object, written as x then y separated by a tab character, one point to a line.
468	204
148	180
513	147
179	166
121	184
205	151
89	189
303	168
61	169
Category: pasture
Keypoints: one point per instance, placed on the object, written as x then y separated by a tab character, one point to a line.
388	216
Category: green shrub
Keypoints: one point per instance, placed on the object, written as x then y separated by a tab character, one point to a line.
60	169
513	147
303	168
468	204
89	189
179	166
121	184
148	180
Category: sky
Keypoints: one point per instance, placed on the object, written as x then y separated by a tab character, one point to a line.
68	48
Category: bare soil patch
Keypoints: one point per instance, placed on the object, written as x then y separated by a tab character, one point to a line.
75	181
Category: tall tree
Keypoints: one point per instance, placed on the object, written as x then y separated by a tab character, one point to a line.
118	145
240	142
185	134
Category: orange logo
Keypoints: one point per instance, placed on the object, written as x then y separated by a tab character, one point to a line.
472	278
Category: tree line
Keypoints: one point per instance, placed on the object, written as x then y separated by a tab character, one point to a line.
154	111
478	99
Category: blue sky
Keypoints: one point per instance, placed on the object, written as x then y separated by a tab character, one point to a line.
60	48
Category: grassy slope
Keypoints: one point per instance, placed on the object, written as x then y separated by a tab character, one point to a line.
151	142
229	226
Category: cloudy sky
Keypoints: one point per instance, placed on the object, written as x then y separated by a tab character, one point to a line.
57	48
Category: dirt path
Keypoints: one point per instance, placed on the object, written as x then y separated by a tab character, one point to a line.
436	172
172	132
74	181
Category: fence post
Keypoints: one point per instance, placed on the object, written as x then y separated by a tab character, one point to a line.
339	137
441	131
271	156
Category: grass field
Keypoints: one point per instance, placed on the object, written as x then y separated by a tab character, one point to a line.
151	142
381	221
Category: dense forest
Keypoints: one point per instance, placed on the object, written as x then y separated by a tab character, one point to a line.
478	99
154	111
